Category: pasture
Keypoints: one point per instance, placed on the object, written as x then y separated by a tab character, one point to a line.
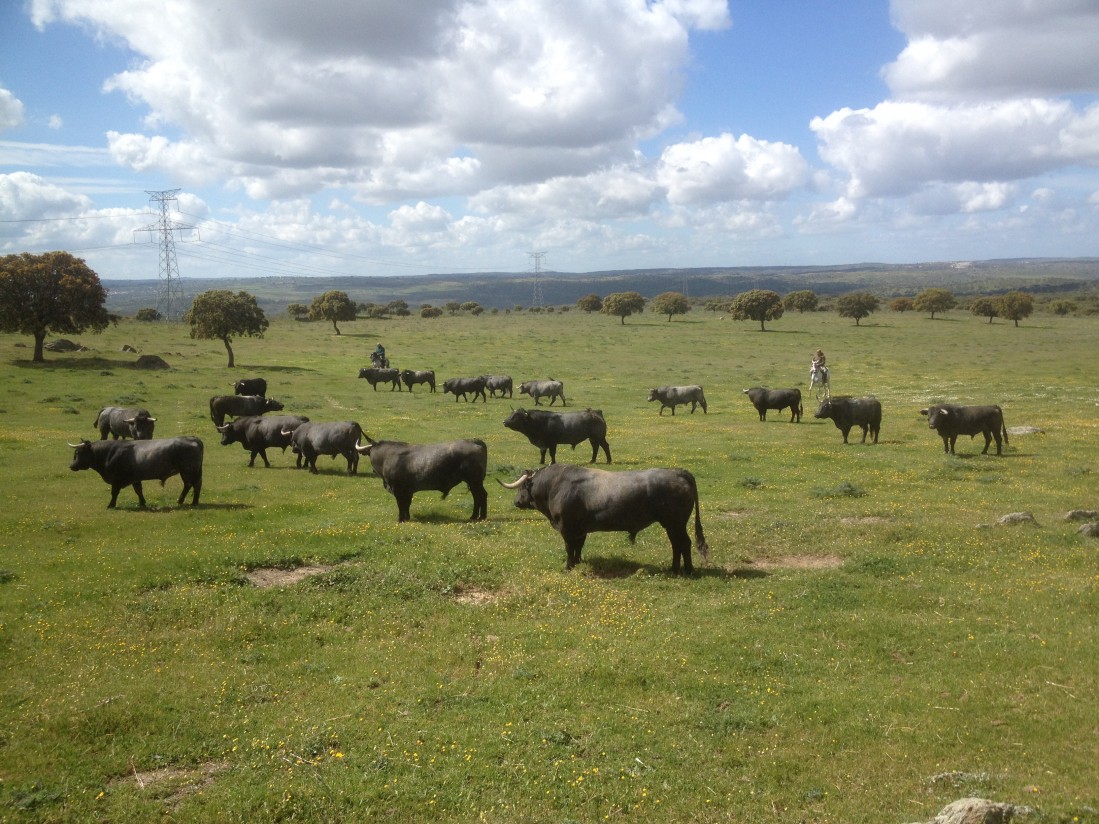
866	644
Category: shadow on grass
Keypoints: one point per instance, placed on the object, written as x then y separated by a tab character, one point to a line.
609	568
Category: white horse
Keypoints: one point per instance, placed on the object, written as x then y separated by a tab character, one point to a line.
818	379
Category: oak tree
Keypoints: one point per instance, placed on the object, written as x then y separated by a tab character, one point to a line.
218	314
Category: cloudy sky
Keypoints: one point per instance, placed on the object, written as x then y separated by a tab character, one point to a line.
385	137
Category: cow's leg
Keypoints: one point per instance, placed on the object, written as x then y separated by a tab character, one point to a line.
115	489
553	453
404	505
606	449
988	441
480	500
594	449
865	430
681	546
953	440
845	432
140	494
352	461
999	442
574	546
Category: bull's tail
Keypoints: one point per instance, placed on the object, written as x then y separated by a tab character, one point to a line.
700	539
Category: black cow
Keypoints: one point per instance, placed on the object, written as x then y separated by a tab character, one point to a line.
406	469
464	386
951	420
411	377
250	386
764	399
257	433
672	396
847	412
375	375
124	422
498	383
546	430
240	405
128	463
541	389
313	438
579	500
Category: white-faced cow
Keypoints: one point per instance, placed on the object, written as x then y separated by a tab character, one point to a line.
466	386
779	399
250	386
258	433
314	438
847	412
499	383
951	420
672	396
124	422
240	405
128	463
406	469
547	430
544	389
412	377
579	500
375	375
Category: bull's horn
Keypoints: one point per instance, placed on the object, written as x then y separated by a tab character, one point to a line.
286	432
75	445
515	484
150	419
129	420
944	411
221	428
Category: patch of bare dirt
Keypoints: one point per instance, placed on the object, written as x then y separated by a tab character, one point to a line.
799	562
476	597
174	783
265	577
865	519
730	515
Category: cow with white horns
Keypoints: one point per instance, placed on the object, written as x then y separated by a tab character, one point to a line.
547	430
672	396
551	389
240	405
124	422
128	463
579	500
313	438
257	433
951	420
407	468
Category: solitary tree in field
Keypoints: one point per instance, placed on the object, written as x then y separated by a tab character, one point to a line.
1062	307
901	305
985	308
1016	306
757	304
590	303
803	300
857	305
934	300
333	306
623	304
220	315
670	303
51	292
148	315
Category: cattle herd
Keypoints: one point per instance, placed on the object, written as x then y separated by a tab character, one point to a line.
576	500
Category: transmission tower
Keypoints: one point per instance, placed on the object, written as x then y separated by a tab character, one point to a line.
538	300
170	299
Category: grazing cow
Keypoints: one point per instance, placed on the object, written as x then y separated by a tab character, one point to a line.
128	463
464	386
764	399
498	383
240	405
847	412
548	429
124	422
672	396
541	389
579	500
950	421
375	375
411	377
313	438
257	433
406	469
250	386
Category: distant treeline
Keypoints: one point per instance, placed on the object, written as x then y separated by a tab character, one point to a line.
503	290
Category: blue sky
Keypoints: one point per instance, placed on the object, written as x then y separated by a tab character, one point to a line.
384	137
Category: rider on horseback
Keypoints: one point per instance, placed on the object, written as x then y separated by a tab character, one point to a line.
377	357
818	374
817	363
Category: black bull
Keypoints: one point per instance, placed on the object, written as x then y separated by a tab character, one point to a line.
258	433
950	421
125	422
848	412
764	399
128	463
546	430
579	500
240	405
406	469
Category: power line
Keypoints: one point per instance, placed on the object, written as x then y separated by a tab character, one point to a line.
538	301
171	290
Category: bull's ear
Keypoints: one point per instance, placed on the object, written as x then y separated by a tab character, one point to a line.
923	411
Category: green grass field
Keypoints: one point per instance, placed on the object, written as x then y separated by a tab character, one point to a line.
866	644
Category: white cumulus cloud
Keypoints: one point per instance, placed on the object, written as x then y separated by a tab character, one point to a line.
11	110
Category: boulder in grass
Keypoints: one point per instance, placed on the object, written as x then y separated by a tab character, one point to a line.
152	362
980	811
